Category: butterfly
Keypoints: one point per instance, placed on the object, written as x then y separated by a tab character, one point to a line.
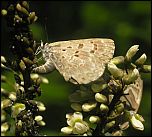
134	94
78	61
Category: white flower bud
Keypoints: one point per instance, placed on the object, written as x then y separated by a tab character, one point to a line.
3	60
80	127
44	80
98	87
4	127
94	119
131	52
66	130
117	133
141	60
41	123
104	108
100	98
34	76
115	71
12	96
86	107
146	68
139	117
17	108
131	77
137	124
6	103
117	60
38	118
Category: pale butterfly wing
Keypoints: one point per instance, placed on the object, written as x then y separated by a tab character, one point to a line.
81	61
135	94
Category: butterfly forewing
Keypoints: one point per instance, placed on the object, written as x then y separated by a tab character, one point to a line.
81	61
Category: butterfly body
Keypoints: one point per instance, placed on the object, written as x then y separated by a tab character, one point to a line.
79	61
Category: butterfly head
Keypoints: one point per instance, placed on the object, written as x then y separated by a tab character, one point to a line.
45	50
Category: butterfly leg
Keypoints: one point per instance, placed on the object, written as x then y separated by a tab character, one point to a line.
45	68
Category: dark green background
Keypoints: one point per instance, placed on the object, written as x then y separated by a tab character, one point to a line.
127	23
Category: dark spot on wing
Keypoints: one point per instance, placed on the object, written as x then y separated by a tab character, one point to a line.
76	55
69	47
77	52
95	46
80	46
91	41
92	51
63	50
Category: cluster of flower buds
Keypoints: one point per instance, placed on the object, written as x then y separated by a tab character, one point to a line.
23	108
103	102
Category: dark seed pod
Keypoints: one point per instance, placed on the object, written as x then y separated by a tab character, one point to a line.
17	79
25	40
29	51
31	17
25	4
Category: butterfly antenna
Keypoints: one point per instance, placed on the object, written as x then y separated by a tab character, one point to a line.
46	29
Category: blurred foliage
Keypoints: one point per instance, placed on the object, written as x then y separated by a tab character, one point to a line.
127	23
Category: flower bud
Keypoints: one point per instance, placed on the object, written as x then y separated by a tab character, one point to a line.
94	119
38	118
3	60
141	60
3	116
17	108
40	106
131	77
18	18
12	96
131	52
98	87
109	125
137	124
80	128
124	126
4	12
26	41
117	133
27	61
22	9
22	65
66	130
100	98
76	106
104	108
44	80
146	68
86	107
41	123
120	108
139	117
25	4
117	60
115	71
29	50
6	103
31	17
4	127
